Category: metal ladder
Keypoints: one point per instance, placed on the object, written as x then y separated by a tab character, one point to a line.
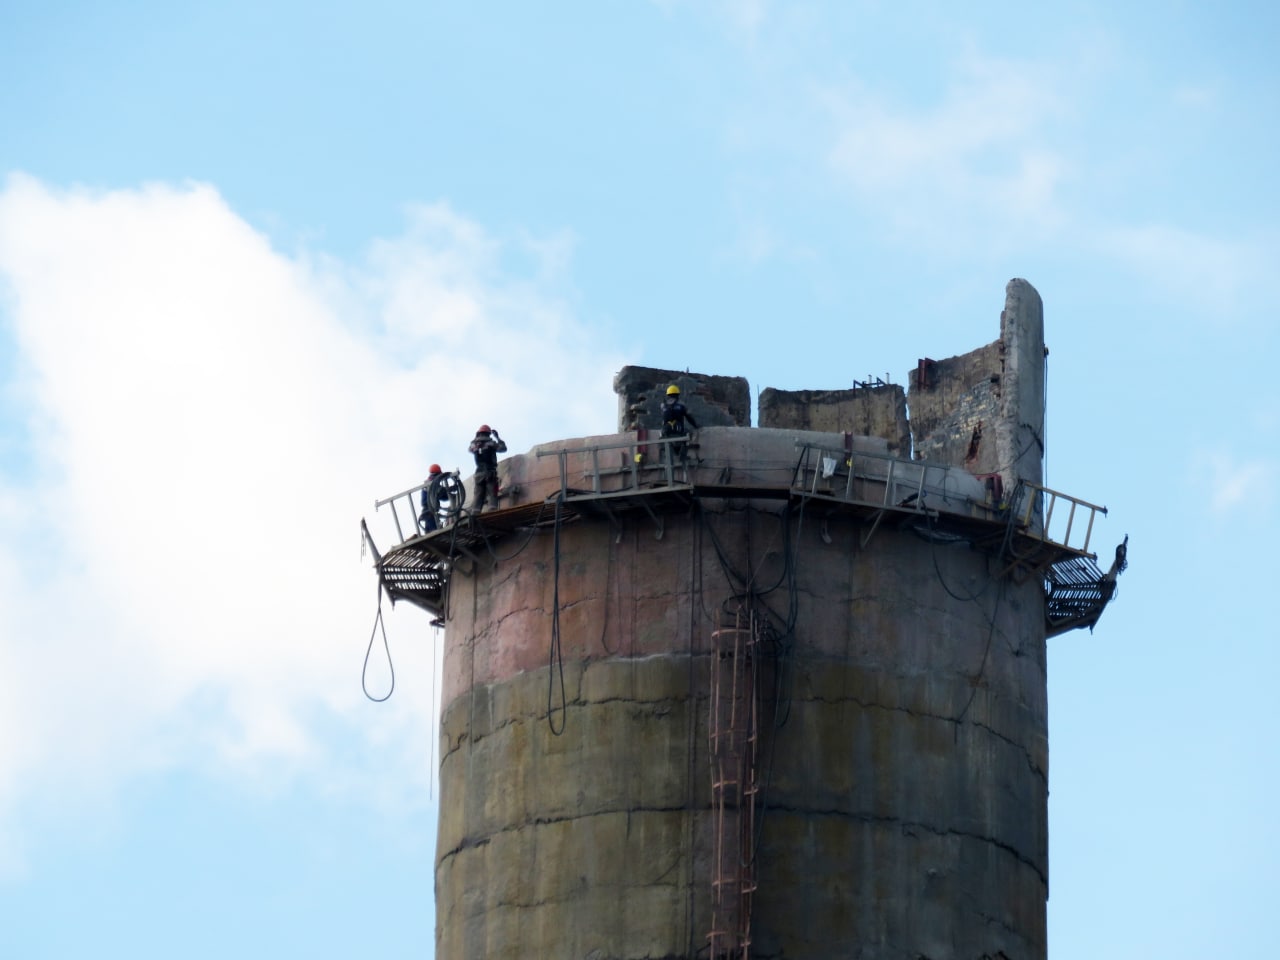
733	729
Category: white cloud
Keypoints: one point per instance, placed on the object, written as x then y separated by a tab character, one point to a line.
209	420
1196	98
979	154
1220	276
746	16
1231	481
1003	160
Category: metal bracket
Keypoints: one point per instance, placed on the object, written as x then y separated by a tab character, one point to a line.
866	537
612	518
658	521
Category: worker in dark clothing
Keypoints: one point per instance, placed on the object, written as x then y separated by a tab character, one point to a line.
428	519
485	448
443	497
674	416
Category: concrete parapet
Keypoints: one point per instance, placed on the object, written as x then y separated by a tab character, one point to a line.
871	411
714	401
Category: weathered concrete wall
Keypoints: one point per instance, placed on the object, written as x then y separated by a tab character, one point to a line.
906	808
903	764
879	411
984	410
714	401
1020	429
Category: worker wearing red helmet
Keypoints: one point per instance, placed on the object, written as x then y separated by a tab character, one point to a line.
485	448
428	519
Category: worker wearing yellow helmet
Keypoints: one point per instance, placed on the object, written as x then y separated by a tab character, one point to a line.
674	417
675	414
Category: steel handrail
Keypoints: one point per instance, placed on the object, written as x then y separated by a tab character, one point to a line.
1024	518
850	459
413	510
1038	493
1039	496
633	460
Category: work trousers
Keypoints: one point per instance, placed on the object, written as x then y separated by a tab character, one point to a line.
486	487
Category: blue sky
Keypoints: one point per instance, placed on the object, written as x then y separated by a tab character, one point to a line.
261	263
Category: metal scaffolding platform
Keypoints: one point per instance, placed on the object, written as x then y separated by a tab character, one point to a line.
876	491
1077	591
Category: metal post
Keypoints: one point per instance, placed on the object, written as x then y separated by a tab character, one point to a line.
1088	533
396	517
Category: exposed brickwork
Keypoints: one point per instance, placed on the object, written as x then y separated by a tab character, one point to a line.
981	411
954	411
879	411
984	410
714	401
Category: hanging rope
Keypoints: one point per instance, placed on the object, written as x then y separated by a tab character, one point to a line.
608	577
986	652
697	602
1044	418
446	496
435	722
555	658
364	674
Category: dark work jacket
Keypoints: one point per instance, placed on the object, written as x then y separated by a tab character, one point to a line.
486	451
674	414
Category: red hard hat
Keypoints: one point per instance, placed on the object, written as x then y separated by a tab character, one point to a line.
435	468
484	428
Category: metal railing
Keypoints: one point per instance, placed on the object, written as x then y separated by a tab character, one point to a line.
1041	499
906	482
411	505
1038	512
633	462
905	485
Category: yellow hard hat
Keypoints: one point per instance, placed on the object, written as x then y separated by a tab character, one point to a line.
673	391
